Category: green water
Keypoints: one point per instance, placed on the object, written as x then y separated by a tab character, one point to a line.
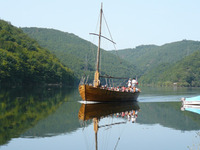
47	118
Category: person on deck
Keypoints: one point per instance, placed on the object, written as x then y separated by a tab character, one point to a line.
123	88
129	82
117	89
134	82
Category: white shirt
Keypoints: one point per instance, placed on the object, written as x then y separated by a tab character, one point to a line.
134	82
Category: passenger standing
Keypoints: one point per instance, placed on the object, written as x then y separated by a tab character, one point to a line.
134	82
129	82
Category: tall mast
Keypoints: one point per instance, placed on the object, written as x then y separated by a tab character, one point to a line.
98	52
96	76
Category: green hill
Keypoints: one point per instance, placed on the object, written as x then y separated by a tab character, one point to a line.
80	55
176	62
148	57
184	73
23	61
150	63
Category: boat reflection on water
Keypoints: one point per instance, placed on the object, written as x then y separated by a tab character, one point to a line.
100	110
191	108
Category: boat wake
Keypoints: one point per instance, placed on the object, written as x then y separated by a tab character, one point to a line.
88	102
160	99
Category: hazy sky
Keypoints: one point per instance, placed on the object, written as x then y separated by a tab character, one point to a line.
131	22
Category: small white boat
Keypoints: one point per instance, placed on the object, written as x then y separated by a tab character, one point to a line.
191	101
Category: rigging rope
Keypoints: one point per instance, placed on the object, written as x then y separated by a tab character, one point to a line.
117	143
112	39
85	137
87	79
106	82
109	30
121	83
109	83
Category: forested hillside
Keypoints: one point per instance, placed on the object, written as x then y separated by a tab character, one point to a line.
160	65
80	55
166	65
23	61
184	73
148	57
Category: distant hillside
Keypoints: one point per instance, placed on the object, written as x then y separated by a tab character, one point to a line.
150	63
184	73
79	54
147	57
23	61
176	62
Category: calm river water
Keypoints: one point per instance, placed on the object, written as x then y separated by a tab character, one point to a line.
54	119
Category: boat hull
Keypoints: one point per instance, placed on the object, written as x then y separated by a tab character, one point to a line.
90	93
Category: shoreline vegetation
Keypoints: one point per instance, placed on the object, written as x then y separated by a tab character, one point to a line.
38	56
24	62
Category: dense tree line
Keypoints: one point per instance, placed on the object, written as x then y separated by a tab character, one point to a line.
150	63
173	63
183	73
80	55
24	61
148	57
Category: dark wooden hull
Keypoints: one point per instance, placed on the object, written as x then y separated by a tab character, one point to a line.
90	93
90	111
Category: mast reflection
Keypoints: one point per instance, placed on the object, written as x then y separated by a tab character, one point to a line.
102	110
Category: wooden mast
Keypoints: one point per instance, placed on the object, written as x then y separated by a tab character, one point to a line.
96	75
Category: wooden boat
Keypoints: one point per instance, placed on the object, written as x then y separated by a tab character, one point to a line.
91	93
94	92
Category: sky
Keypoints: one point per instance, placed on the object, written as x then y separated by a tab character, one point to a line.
131	22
